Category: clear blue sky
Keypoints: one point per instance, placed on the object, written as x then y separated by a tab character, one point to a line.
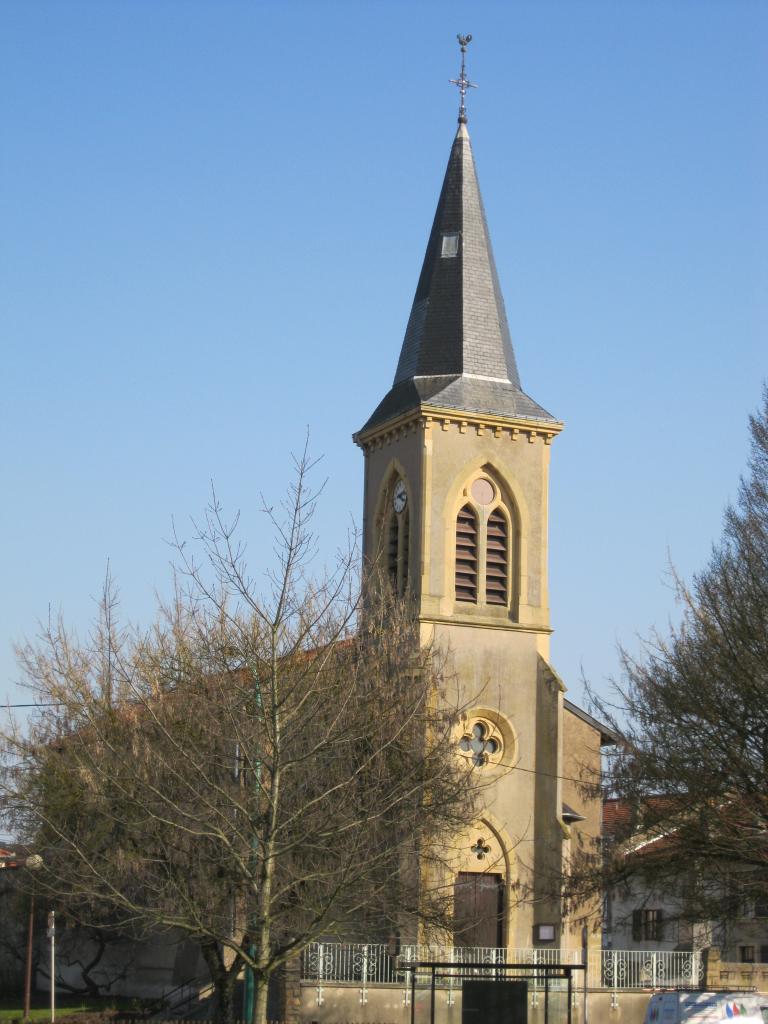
212	219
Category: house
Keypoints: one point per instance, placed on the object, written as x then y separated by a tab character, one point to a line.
654	911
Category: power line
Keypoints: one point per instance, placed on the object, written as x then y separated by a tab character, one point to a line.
500	764
548	775
53	704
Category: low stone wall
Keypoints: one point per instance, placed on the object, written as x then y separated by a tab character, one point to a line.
728	974
340	1003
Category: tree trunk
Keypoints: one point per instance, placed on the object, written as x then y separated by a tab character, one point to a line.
260	995
223	981
225	991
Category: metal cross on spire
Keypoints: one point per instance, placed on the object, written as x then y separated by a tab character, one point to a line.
462	81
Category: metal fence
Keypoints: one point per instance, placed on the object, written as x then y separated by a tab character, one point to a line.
633	968
372	963
348	961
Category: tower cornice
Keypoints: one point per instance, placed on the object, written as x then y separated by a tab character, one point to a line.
433	417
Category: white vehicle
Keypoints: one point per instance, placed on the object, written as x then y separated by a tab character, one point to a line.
705	1008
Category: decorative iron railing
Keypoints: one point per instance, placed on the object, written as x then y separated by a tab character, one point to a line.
490	955
634	968
372	963
348	961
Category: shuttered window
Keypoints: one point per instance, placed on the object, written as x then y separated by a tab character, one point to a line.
392	545
496	559
397	539
405	551
647	925
466	555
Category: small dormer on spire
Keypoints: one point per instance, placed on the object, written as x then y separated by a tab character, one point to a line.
462	82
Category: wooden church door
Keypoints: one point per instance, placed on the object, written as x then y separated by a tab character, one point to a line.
478	909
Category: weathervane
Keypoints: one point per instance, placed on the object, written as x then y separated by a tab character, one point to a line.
462	81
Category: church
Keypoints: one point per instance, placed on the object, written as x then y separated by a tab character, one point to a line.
456	509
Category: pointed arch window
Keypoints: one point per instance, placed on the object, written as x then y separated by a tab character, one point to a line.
393	545
397	538
484	547
466	555
405	549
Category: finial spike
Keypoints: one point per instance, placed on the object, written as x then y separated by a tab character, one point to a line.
462	82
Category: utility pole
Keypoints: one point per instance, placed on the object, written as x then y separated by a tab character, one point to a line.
52	937
28	965
585	961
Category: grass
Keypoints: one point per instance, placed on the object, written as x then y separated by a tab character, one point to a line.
11	1007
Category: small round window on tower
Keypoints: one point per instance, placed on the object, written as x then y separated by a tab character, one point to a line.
483	491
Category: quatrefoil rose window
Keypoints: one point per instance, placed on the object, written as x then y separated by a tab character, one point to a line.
481	744
481	849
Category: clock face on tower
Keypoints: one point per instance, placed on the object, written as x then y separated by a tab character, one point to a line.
400	497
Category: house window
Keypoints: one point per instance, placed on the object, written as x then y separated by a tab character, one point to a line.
647	925
747	954
483	547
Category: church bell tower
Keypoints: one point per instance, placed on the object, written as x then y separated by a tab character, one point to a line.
455	512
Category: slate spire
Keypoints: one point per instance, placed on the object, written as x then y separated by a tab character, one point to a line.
458	323
457	352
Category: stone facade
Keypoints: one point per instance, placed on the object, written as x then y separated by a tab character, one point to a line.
474	445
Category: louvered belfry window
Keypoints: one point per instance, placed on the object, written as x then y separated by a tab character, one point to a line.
466	555
397	537
496	559
405	553
486	542
392	552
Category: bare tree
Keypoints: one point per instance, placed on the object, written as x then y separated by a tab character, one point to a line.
254	771
692	711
